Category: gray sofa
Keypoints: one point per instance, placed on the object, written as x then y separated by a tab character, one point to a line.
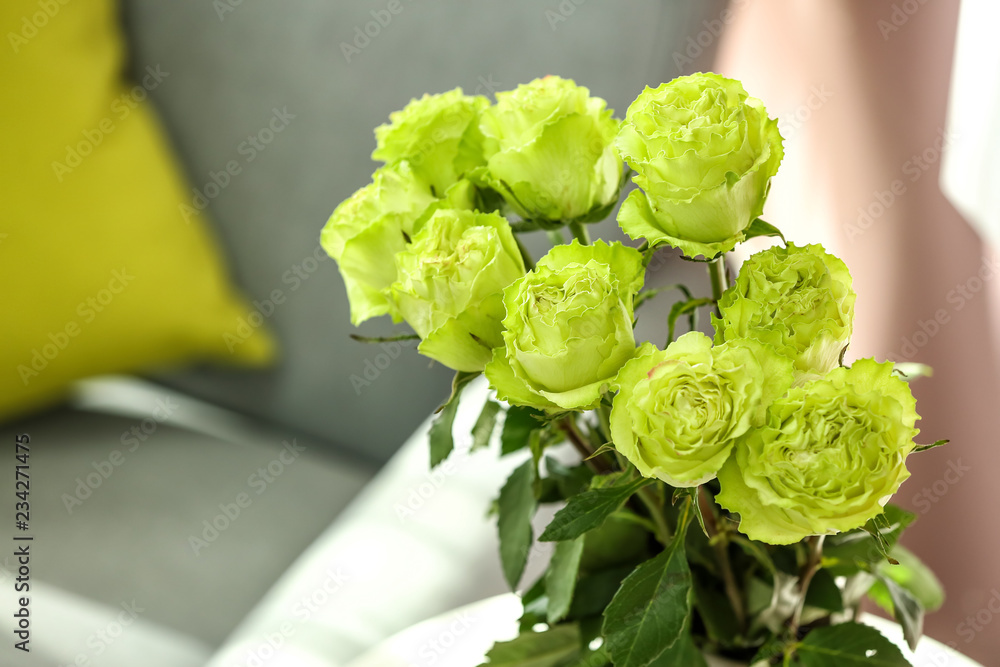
233	66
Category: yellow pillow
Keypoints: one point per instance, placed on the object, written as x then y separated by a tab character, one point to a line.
104	264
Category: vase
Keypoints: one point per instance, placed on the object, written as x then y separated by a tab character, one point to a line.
461	638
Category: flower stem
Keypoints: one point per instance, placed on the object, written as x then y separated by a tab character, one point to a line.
598	464
717	274
815	558
580	232
655	513
720	544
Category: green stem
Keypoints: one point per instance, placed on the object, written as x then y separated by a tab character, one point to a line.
580	232
813	562
656	514
555	236
720	544
383	339
597	463
717	273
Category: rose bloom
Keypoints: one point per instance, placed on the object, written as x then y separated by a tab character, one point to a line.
704	153
828	459
568	327
679	411
450	285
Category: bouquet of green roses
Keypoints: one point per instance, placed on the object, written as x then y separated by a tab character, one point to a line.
730	496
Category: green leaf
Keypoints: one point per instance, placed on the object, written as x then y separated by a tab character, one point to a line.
649	613
560	580
536	649
843	553
598	658
906	609
569	481
441	439
772	648
714	607
761	228
645	295
595	591
879	594
588	510
848	645
693	493
620	540
483	429
516	508
757	551
535	604
885	529
924	448
824	593
684	652
915	577
600	451
517	428
689	308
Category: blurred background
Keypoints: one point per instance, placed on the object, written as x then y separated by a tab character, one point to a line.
215	458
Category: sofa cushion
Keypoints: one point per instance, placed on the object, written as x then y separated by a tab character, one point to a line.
102	269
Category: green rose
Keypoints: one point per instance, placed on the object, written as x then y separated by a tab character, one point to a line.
367	229
704	153
437	134
568	328
830	456
550	150
797	299
679	411
450	285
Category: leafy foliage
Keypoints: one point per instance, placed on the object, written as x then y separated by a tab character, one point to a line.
442	440
516	508
588	510
848	645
